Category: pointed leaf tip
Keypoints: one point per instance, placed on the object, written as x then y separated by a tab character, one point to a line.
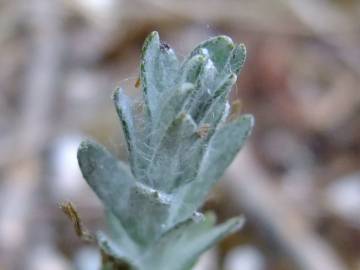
115	95
152	37
239	223
248	118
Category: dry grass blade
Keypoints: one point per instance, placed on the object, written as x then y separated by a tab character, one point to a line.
69	209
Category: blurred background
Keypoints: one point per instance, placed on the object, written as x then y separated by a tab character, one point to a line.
297	181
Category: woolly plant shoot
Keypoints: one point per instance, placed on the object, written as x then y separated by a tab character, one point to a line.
180	141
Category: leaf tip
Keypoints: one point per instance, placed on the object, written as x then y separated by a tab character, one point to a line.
84	146
225	39
242	48
250	119
116	94
154	34
238	223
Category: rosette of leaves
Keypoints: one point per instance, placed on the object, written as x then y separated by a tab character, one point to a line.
179	144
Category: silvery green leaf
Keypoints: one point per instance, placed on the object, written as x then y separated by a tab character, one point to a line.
168	112
134	134
165	170
192	68
111	180
121	238
222	149
127	200
180	247
147	210
159	67
111	248
218	49
211	110
205	87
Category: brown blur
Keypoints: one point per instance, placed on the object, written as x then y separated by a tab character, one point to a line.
297	181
